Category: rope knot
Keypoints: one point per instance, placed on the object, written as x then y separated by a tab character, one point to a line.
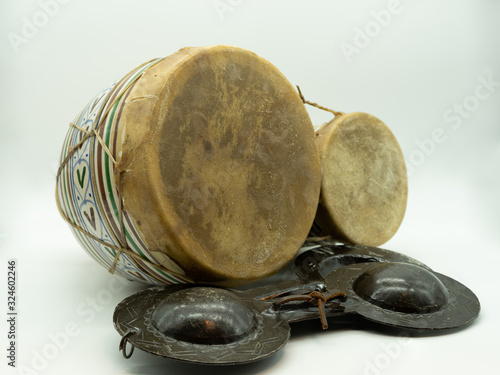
314	297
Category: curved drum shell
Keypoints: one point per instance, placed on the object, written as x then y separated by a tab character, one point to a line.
198	167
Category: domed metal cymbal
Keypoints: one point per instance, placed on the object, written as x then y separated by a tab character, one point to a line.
214	325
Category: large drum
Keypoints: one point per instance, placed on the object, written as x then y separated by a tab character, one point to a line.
364	187
201	166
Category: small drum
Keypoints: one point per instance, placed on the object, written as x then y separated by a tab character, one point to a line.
364	186
201	166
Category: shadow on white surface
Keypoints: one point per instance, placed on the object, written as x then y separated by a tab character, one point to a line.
148	364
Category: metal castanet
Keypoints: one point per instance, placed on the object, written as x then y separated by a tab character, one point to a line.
213	325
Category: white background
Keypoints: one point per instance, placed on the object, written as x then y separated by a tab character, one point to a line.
413	72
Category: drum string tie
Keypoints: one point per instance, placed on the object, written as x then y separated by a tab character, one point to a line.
122	222
123	248
335	113
316	298
89	134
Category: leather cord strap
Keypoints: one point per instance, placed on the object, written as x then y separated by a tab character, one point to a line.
314	297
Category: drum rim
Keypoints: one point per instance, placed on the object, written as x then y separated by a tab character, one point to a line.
186	249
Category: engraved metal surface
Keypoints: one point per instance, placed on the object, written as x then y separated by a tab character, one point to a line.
213	325
460	310
134	315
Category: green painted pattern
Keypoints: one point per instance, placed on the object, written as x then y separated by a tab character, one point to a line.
109	180
93	248
81	179
68	205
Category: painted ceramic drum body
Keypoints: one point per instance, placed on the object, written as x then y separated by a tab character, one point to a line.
87	190
198	167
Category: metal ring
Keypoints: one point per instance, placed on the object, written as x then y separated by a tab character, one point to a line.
123	345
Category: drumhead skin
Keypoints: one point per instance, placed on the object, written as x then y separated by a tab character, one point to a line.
217	164
364	186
